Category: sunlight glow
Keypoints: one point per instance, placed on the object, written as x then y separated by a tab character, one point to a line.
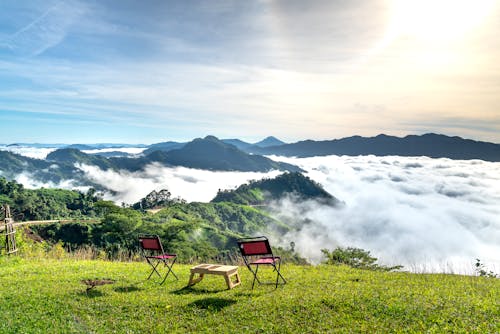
437	20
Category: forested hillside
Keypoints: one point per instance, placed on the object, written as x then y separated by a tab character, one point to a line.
264	191
195	231
43	204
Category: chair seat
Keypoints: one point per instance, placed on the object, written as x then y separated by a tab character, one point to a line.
266	260
163	256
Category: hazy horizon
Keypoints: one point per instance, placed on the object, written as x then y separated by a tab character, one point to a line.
132	144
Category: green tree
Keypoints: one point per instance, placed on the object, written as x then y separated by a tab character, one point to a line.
118	230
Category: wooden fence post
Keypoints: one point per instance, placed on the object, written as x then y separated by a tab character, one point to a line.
10	232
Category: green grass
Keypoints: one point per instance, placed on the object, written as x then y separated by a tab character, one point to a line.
46	296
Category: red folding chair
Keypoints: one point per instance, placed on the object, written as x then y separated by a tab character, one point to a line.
256	251
153	252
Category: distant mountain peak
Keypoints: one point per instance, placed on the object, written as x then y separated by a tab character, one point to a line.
211	138
70	155
211	142
214	154
73	155
269	141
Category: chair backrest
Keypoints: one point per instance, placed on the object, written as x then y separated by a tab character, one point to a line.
254	246
150	243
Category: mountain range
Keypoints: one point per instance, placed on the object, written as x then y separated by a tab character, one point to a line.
430	145
207	153
240	144
211	153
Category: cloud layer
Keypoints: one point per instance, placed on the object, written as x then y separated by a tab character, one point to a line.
428	214
29	151
41	153
193	185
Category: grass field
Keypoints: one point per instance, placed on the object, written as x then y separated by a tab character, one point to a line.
47	296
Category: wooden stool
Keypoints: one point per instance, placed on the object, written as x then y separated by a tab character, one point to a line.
215	269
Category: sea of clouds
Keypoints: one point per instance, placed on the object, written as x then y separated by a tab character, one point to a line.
29	151
42	152
193	185
426	214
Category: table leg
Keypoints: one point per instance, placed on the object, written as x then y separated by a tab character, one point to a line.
229	281
193	281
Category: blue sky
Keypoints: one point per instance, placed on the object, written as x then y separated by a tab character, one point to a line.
151	71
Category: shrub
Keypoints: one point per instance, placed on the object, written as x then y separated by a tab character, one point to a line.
355	258
482	271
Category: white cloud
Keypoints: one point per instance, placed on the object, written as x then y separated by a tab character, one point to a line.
427	214
27	151
129	150
193	185
42	152
30	182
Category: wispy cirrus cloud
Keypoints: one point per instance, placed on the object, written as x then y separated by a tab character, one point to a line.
46	30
